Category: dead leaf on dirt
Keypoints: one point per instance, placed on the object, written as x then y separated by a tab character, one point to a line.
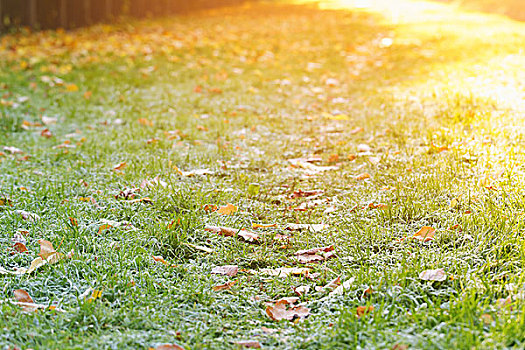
286	271
228	270
228	209
285	309
425	234
433	275
253	344
364	310
224	286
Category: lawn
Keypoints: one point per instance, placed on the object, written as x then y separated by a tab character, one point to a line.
151	153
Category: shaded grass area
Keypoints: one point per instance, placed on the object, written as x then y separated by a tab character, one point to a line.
239	92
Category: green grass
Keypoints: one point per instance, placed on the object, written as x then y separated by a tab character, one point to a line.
457	85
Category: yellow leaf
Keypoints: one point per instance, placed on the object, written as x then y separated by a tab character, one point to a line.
228	209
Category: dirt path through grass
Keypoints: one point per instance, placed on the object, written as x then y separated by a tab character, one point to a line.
140	151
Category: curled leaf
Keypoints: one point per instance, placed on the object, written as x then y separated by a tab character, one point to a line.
224	286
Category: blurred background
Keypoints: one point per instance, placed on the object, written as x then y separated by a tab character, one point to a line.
52	14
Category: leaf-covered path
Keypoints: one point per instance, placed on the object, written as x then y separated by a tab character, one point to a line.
285	175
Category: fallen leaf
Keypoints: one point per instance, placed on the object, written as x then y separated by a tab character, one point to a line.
13	150
425	234
20	247
310	193
330	286
364	310
362	176
285	310
254	344
119	166
168	347
46	133
144	121
286	271
228	209
228	270
433	275
160	259
22	296
224	286
228	232
6	201
256	226
301	290
27	215
49	120
310	227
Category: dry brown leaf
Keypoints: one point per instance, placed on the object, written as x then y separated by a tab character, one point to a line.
286	271
224	286
119	166
168	347
256	226
254	344
228	270
228	232
425	234
20	247
433	275
310	227
22	296
228	209
330	286
315	250
144	121
285	310
364	310
160	259
309	193
46	249
362	176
